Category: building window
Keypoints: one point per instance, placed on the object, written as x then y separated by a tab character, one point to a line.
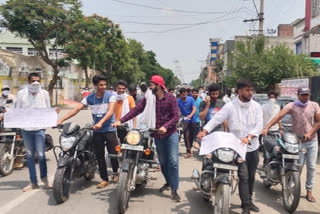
15	50
32	52
4	69
299	48
52	53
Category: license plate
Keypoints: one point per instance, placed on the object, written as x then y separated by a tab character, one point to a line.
131	147
225	166
286	156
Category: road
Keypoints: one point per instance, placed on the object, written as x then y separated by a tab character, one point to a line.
86	198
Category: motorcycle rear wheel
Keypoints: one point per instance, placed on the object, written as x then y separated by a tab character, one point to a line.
91	170
291	192
61	184
6	165
222	199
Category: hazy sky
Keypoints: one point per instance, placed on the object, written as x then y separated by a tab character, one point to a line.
181	30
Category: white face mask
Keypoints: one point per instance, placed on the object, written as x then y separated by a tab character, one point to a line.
34	88
121	96
272	100
5	92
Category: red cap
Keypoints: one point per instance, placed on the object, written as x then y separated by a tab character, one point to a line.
159	81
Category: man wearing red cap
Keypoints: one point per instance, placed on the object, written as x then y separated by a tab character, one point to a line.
166	139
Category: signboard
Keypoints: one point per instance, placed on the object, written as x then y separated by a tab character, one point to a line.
290	87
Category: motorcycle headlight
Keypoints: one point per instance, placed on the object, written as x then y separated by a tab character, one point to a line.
133	137
66	143
225	155
292	148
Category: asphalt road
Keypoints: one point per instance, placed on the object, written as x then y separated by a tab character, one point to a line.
86	198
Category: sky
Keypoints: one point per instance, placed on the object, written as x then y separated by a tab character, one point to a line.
178	31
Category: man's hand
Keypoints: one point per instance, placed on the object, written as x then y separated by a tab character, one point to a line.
189	117
162	130
307	137
97	126
60	122
202	134
281	132
116	124
245	140
265	132
208	100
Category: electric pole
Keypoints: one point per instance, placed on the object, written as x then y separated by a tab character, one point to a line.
260	17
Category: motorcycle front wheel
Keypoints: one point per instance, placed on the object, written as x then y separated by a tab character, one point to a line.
222	199
61	184
91	169
6	164
123	190
291	191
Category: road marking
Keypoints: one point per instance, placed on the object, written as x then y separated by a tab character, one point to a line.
12	204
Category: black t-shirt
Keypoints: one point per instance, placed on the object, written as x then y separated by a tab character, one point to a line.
214	108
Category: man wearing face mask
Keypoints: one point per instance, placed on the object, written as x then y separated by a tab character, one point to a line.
245	121
270	110
6	95
123	105
163	114
34	138
305	121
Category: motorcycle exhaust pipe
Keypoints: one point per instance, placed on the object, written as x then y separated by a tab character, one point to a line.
133	183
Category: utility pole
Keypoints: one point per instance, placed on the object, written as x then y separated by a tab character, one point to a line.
261	17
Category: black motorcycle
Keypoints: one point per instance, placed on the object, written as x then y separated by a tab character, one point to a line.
217	181
75	160
136	159
283	168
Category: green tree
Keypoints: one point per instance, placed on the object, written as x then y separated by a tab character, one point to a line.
267	66
44	23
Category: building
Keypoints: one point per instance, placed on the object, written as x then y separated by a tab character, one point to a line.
228	53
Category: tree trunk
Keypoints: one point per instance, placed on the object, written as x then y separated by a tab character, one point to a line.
53	82
87	77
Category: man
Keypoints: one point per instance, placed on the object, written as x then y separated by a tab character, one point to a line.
33	96
197	102
211	106
143	89
228	97
6	95
306	121
270	110
102	104
133	92
166	114
124	104
245	121
202	93
188	109
172	91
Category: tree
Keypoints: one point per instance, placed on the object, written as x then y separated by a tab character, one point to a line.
43	23
267	66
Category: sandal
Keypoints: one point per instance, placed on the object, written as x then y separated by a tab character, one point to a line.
310	199
188	155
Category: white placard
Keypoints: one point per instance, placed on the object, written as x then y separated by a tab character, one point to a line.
218	140
30	118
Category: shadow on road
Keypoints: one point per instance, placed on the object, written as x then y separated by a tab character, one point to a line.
13	185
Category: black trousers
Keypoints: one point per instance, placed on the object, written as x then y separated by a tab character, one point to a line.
102	140
246	173
189	133
122	133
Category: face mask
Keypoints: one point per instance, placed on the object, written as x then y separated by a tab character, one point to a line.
5	93
34	88
121	96
201	91
272	100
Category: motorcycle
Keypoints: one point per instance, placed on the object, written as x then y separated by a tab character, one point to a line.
217	181
283	168
75	160
136	159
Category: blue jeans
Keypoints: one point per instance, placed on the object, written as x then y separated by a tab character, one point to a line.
34	141
310	157
168	154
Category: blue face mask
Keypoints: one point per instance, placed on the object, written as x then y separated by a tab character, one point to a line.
300	104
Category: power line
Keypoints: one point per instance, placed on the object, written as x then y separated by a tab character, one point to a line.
255	6
172	10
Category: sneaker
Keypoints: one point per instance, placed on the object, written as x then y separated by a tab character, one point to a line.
165	187
46	183
254	208
30	187
175	197
115	177
246	210
102	184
